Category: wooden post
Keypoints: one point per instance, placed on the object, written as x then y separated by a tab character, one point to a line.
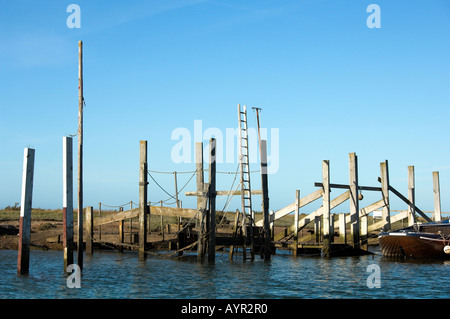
326	250
296	217
386	213
235	228
364	231
201	225
332	228
67	201
143	200
212	201
100	216
437	198
89	230
354	200
411	196
317	228
23	258
121	231
80	156
342	229
131	225
199	171
180	252
265	198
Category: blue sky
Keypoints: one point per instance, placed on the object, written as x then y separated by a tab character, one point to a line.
326	81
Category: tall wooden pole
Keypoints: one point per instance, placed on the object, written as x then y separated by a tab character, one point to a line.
23	257
212	202
143	200
354	200
67	201
326	250
80	156
386	213
265	198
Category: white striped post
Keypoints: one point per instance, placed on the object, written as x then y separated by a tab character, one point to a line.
23	258
67	201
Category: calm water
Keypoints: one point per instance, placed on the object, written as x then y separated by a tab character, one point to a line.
114	275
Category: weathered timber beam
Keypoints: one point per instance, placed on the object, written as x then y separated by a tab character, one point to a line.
305	221
290	208
343	186
403	198
394	218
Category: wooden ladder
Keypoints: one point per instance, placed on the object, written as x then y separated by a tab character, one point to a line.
246	197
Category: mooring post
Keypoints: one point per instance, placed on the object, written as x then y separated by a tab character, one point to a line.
326	248
437	198
23	258
80	157
142	200
342	229
317	227
201	224
67	201
212	201
89	230
265	199
411	196
386	212
354	200
100	227
364	231
121	232
296	217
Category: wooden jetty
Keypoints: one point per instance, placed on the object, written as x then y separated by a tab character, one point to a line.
333	234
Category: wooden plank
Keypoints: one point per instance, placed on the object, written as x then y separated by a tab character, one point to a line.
23	256
290	208
379	225
343	186
304	221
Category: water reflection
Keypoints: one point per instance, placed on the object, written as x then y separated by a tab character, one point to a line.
114	275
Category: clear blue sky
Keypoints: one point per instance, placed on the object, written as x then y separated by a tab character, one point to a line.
326	81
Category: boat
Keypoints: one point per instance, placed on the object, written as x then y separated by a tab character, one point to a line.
430	240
